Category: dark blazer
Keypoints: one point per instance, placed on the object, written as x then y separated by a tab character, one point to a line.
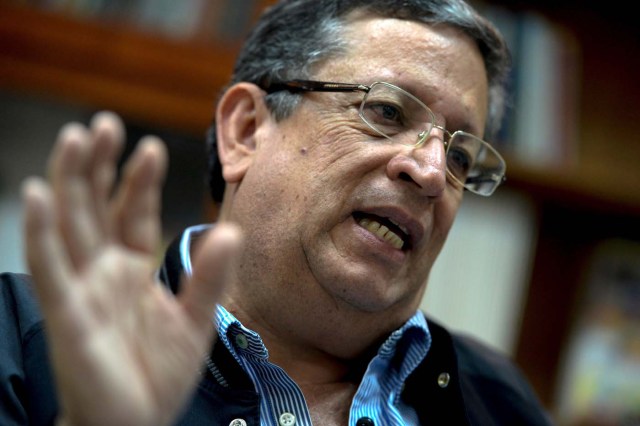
460	382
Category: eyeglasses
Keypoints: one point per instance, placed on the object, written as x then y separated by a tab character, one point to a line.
399	116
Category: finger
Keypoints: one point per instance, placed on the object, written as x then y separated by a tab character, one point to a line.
46	258
136	209
211	268
68	171
108	136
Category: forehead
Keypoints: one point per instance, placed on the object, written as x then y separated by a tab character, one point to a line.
439	64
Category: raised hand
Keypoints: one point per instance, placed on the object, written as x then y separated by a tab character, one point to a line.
124	350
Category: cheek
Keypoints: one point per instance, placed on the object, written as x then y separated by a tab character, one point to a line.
313	168
445	213
334	158
290	180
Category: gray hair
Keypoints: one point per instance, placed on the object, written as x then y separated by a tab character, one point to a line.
294	35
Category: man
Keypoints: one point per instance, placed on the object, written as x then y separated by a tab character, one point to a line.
346	141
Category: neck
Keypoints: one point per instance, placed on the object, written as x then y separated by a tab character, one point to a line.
305	361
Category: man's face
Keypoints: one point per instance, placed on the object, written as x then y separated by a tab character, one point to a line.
319	185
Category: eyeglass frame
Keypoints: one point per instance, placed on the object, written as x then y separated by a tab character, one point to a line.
299	85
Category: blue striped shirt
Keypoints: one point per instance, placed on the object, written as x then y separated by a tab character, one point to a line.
377	397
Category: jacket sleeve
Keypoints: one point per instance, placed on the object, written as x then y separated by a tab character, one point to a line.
27	393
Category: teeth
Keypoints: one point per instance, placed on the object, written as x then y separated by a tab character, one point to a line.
382	231
405	230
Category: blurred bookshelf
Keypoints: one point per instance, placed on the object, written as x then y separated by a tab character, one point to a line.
600	373
578	163
540	127
192	20
587	198
161	77
148	73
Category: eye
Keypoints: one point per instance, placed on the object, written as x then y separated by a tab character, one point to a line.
459	162
389	112
386	118
384	114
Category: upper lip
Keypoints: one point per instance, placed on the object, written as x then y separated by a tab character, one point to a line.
401	217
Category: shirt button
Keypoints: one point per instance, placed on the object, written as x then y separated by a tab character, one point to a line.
364	421
241	341
443	380
238	422
287	419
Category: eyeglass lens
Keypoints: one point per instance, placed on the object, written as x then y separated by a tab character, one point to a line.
401	117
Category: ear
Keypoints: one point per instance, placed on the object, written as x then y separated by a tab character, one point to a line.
239	114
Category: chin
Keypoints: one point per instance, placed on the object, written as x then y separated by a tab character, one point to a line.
375	296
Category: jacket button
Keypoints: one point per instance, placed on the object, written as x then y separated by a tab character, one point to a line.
238	422
443	380
365	421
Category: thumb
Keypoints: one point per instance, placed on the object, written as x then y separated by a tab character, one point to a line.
213	262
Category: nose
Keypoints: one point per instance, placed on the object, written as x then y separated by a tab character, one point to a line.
423	166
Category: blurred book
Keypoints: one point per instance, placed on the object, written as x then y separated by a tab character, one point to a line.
599	382
201	20
540	127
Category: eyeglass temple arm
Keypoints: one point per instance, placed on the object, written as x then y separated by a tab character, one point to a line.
296	86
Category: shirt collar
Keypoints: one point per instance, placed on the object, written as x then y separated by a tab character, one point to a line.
241	341
396	359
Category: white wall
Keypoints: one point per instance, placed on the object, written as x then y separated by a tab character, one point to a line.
479	282
28	127
27	130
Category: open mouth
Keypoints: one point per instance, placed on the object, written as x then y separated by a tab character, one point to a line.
385	229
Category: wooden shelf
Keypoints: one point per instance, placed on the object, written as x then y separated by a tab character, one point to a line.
158	81
605	175
592	189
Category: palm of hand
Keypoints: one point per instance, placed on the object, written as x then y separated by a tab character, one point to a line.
130	339
124	350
